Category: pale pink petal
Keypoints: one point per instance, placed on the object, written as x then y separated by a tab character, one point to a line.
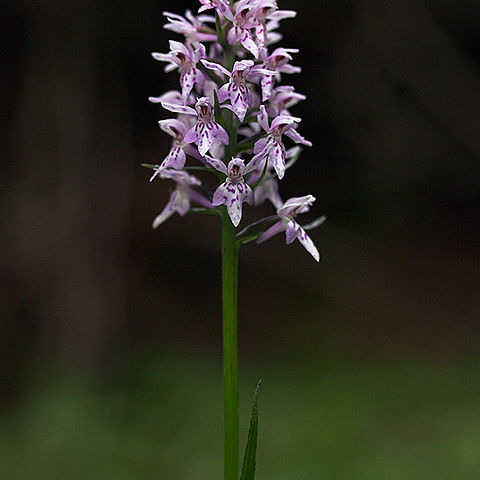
273	230
223	92
276	157
181	203
297	138
289	69
284	121
218	132
162	57
267	86
282	14
307	242
234	205
215	66
179	108
292	231
191	136
204	139
175	159
166	213
221	194
262	118
187	81
261	145
173	127
200	199
218	164
247	42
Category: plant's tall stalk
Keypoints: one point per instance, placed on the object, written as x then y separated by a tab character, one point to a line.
230	346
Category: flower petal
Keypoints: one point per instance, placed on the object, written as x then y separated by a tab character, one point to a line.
191	136
307	242
262	118
273	230
297	138
219	132
216	66
166	213
218	164
276	157
179	108
175	159
204	138
292	231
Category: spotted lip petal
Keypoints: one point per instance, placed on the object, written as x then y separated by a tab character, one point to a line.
232	196
293	231
205	134
276	157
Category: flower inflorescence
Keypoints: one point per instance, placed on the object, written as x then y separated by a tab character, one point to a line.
231	105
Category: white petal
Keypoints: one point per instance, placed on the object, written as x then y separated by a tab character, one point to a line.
215	66
218	164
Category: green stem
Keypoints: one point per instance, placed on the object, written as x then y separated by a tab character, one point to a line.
230	346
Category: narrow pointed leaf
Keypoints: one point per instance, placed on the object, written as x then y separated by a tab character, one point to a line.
150	165
256	227
219	118
248	468
220	32
316	223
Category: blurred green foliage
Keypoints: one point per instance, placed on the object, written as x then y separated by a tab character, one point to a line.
163	420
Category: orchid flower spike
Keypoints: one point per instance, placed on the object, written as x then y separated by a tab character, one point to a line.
287	213
232	39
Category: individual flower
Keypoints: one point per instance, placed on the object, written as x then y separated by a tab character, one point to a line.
176	156
192	27
236	89
276	63
287	213
206	129
272	146
234	191
265	10
181	197
185	59
283	98
242	21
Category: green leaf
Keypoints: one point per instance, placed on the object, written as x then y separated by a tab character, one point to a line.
248	468
212	211
264	171
201	169
317	222
220	32
248	143
219	118
150	165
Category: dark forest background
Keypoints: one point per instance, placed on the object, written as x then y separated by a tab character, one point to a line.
101	314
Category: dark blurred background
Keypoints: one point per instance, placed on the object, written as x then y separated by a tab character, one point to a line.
110	332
